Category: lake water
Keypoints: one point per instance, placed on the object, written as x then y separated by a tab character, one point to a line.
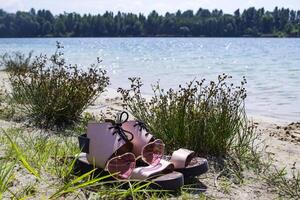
271	66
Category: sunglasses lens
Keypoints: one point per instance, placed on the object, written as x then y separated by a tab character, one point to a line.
122	166
153	152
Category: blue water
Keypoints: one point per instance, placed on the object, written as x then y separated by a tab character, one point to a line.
271	66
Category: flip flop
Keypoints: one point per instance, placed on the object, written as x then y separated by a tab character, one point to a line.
107	147
184	160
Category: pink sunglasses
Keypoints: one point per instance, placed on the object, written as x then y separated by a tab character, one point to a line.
122	166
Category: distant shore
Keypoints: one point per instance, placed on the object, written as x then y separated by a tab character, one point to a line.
279	22
158	36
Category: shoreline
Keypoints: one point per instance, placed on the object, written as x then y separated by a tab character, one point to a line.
111	94
278	141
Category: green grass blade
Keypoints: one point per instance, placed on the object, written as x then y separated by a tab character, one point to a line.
5	177
22	158
70	186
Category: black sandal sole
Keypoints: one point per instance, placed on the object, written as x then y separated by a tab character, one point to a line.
199	167
170	181
195	170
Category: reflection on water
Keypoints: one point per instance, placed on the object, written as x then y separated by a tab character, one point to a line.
271	66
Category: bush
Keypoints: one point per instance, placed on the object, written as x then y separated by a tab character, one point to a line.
53	93
209	119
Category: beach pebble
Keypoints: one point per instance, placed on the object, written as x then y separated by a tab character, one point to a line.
287	132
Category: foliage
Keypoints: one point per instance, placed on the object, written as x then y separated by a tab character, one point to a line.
16	61
6	175
20	157
53	93
288	187
209	119
251	22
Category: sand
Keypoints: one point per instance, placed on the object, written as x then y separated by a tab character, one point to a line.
280	139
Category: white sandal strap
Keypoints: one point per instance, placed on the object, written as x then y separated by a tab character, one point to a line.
142	173
181	158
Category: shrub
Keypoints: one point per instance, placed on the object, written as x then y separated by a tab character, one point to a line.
53	93
209	119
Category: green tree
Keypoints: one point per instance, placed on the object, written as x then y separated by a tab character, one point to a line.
250	22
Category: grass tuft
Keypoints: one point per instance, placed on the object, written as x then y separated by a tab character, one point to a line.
6	176
21	157
210	119
288	187
54	94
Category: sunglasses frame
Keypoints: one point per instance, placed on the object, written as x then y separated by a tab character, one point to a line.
163	151
135	158
116	175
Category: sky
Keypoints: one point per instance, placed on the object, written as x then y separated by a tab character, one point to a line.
141	6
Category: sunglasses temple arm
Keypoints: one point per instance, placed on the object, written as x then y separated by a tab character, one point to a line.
140	156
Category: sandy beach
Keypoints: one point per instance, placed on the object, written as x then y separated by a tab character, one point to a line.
138	100
279	139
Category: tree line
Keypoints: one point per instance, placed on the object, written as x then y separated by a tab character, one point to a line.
250	22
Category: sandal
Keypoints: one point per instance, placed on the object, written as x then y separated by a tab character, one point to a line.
107	146
184	160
